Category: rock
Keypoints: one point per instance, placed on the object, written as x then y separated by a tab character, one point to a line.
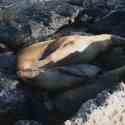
34	21
74	29
93	10
8	60
14	37
76	2
111	4
8	81
12	106
116	4
112	23
90	15
3	48
108	110
50	17
8	77
90	3
7	3
27	122
18	102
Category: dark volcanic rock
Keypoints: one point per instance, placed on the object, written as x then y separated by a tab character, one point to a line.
89	15
106	108
6	3
49	17
73	29
112	23
3	48
14	36
27	21
18	102
76	2
26	122
12	106
8	78
22	24
92	10
8	60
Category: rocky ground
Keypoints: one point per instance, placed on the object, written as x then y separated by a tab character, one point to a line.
94	112
30	21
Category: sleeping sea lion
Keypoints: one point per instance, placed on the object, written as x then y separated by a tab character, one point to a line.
66	50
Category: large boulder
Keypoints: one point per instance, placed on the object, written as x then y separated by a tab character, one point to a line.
112	23
107	108
30	21
27	122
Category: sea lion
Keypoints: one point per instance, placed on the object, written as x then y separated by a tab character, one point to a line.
66	50
63	77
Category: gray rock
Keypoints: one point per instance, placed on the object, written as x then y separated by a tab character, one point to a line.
76	2
8	60
3	48
14	35
110	111
92	10
18	102
13	105
27	122
8	78
50	17
112	23
71	30
36	21
116	4
6	3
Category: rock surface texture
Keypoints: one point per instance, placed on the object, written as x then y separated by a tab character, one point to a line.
107	108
